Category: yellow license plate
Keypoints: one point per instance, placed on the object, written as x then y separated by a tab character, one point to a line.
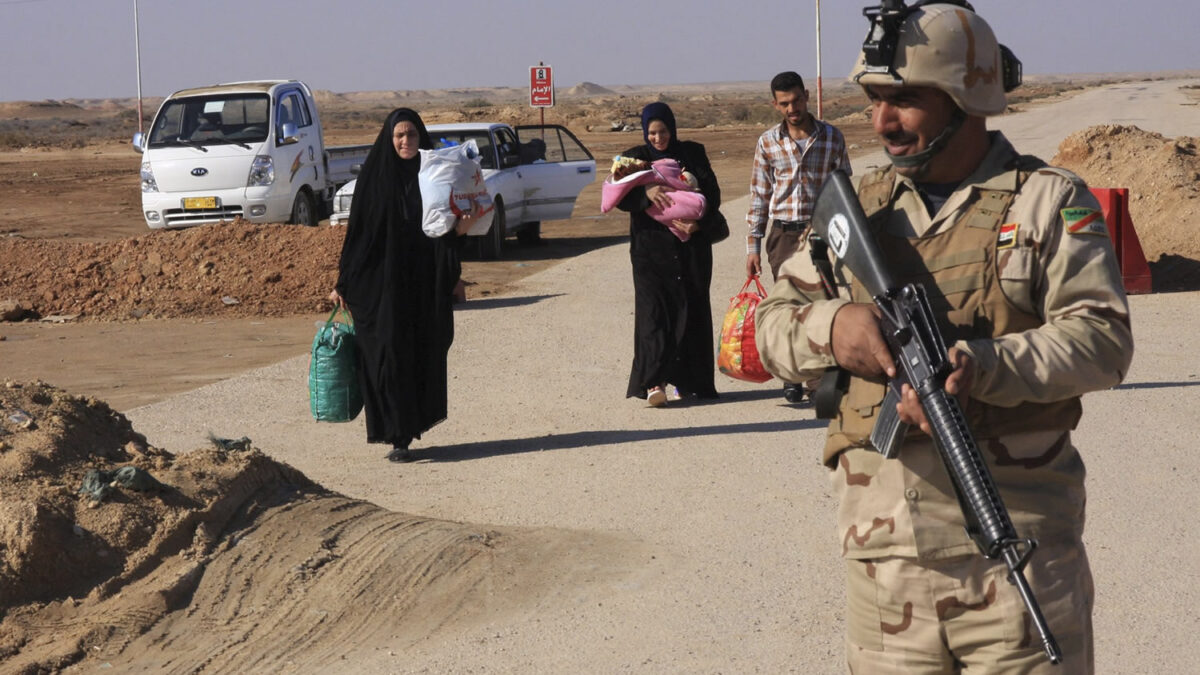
190	203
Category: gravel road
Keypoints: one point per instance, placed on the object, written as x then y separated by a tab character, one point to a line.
730	496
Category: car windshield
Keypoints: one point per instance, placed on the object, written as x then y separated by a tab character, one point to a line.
204	120
445	139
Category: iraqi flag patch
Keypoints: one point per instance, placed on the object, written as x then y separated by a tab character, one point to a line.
1008	236
1079	220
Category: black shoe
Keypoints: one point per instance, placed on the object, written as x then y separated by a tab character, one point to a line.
794	393
399	454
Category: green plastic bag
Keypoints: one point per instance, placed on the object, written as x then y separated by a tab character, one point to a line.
333	390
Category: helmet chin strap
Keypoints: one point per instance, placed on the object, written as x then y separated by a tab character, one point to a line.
920	159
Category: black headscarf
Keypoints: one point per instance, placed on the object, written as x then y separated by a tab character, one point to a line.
403	167
662	112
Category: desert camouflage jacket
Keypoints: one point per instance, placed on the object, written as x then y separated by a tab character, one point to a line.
1019	265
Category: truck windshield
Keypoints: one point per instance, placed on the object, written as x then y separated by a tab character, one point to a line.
204	120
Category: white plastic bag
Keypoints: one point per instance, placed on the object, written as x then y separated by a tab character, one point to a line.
451	182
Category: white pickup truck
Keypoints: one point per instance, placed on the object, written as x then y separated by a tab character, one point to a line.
533	173
249	149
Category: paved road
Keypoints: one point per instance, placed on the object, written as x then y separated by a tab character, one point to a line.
730	495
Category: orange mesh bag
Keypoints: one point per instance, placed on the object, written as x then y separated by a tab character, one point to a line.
738	357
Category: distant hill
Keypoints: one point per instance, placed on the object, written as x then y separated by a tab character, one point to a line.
589	89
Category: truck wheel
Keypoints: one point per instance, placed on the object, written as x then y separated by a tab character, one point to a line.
303	211
493	245
530	234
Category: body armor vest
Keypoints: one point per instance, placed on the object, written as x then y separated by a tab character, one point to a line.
957	267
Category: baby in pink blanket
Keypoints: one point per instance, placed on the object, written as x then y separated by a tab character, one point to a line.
687	202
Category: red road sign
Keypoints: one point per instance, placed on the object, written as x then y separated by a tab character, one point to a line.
541	87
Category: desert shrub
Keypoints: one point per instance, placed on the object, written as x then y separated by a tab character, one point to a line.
841	109
11	140
477	103
697	116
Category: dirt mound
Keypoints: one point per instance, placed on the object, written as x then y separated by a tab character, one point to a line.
232	270
1163	178
229	557
58	543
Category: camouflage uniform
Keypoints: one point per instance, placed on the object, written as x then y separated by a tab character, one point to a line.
1021	273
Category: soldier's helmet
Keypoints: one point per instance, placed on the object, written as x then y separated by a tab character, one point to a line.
945	46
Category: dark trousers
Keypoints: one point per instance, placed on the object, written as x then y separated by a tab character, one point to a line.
783	239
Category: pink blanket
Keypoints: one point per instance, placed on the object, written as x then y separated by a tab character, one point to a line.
687	205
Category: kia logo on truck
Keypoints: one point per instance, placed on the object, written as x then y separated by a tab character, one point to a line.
199	171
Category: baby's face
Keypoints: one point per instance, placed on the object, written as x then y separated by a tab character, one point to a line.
690	179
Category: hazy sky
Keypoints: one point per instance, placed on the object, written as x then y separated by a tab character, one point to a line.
85	48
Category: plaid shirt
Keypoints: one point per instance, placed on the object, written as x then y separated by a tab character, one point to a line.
785	181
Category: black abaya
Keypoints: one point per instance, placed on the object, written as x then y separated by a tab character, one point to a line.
398	284
673	330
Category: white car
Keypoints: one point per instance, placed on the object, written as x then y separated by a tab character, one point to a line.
533	173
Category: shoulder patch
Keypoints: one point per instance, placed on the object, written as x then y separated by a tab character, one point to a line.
1080	220
1008	235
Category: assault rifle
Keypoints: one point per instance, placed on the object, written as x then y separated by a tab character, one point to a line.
920	354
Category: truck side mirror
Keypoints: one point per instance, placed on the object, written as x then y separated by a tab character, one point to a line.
355	169
288	134
507	161
137	141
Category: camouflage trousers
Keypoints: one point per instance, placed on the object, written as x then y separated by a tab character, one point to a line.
962	614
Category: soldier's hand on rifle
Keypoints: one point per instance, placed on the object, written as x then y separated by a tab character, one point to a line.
958	384
857	343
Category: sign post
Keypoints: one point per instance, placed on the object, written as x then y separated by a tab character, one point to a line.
541	88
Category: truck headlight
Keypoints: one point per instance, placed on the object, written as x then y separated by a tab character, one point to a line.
343	202
262	172
148	182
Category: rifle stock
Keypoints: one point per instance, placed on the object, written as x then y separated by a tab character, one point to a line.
919	351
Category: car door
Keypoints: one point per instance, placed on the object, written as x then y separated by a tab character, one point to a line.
306	156
555	167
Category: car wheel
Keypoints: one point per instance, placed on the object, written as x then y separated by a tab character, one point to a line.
530	234
493	245
303	212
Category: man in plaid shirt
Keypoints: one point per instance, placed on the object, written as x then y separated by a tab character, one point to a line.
791	163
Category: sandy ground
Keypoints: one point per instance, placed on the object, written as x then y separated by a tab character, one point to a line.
716	526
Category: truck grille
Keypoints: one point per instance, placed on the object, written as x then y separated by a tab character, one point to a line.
182	218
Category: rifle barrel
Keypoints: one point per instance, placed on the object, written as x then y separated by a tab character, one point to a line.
1013	559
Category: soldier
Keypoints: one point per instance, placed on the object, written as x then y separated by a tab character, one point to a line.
1021	273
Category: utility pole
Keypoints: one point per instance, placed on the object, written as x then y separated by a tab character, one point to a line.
137	50
820	112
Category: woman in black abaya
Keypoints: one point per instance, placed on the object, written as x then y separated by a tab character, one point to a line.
673	331
398	285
